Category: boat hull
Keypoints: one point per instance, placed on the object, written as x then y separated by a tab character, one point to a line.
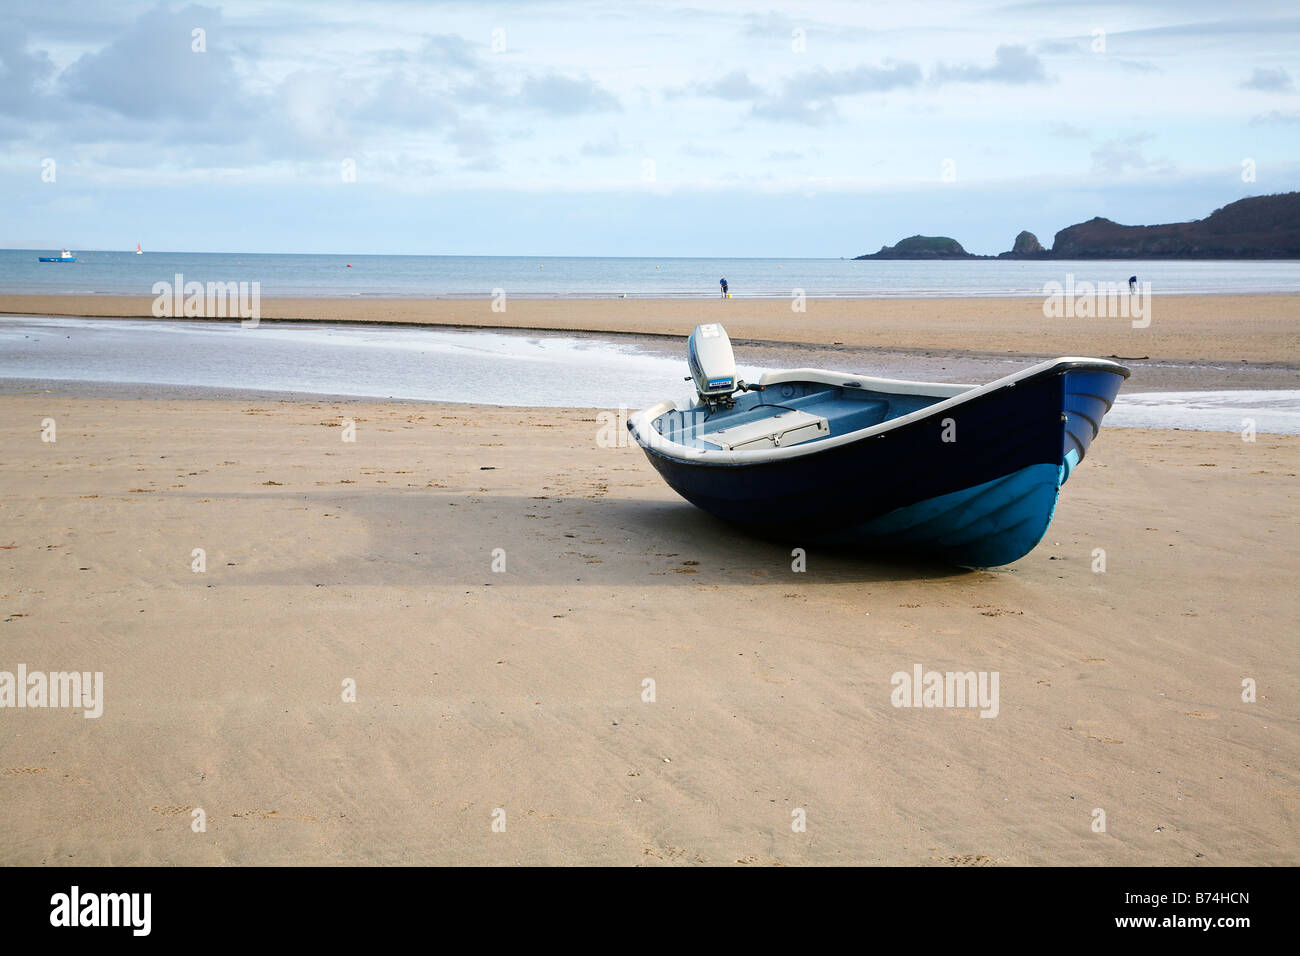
975	483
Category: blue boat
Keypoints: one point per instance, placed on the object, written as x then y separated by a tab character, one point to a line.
65	256
963	473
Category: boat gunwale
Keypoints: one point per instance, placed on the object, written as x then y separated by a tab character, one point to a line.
641	423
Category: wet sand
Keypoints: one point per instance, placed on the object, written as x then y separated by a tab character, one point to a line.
1198	328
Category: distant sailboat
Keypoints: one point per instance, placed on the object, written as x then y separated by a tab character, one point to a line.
137	249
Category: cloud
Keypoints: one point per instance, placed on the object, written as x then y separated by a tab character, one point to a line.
1067	130
559	95
448	49
23	75
770	24
315	109
701	152
734	86
1011	64
1138	66
70	21
444	50
420	109
475	145
775	26
1216	29
809	97
609	145
1059	46
823	84
482	90
151	70
1115	157
1276	116
1270	81
795	109
400	101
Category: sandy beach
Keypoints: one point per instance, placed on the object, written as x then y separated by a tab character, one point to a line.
522	690
1235	328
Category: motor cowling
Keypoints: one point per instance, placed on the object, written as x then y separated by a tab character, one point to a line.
712	363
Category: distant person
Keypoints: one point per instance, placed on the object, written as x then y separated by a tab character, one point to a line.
723	283
1132	284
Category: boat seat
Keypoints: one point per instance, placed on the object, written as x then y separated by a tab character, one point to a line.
786	428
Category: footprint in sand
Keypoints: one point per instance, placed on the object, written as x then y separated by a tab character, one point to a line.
990	611
967	859
675	853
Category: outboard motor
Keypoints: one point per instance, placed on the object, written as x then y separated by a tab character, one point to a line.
713	366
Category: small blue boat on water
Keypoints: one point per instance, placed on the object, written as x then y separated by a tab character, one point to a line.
968	474
64	256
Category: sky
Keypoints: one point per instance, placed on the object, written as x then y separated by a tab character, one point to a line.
632	129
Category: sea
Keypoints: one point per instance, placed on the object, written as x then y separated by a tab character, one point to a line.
125	273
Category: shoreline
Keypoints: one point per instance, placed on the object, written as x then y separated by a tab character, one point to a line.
143	394
477	295
1193	345
1195	329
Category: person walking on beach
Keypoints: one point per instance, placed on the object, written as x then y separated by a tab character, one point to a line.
723	282
1132	284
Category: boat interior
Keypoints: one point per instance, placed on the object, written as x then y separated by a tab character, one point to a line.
783	408
803	406
792	412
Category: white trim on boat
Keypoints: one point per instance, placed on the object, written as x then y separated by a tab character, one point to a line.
894	386
642	423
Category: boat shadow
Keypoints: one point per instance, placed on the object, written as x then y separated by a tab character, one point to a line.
411	538
733	549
